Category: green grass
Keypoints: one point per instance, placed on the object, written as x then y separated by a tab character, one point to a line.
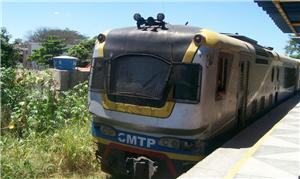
67	153
44	133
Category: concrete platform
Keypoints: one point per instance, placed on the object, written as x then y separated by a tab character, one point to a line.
269	148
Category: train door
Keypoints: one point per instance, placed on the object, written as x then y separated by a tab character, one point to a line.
242	90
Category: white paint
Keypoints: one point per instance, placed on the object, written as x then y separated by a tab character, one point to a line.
136	140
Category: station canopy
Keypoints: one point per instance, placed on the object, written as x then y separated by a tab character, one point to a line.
285	14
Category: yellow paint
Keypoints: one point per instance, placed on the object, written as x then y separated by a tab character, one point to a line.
211	38
162	112
170	155
167	109
236	168
190	52
100	46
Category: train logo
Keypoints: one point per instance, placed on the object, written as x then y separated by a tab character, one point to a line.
136	140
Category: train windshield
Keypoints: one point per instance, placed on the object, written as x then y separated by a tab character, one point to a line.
141	76
146	80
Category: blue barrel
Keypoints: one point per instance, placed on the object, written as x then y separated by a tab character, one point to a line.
65	62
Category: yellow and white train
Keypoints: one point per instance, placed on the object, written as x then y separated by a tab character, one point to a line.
161	93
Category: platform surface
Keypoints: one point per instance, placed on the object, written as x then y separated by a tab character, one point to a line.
269	148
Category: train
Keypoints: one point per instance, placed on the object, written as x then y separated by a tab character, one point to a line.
160	94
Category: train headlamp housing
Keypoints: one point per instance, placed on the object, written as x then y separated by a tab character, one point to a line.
160	17
198	39
137	16
174	143
169	142
101	38
150	21
187	145
106	130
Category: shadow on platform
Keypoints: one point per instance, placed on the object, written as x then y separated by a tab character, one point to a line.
250	135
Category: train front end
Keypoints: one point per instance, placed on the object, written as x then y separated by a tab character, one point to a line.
144	94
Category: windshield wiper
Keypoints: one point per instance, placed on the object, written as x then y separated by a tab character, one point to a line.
135	94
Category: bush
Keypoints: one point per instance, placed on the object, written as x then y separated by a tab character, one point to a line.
8	94
66	152
45	133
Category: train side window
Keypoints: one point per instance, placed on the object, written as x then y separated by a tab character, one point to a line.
271	100
289	77
262	103
254	106
272	75
222	74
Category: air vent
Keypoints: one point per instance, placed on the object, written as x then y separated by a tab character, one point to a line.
241	37
261	61
260	51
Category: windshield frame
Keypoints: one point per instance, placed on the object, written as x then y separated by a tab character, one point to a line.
135	97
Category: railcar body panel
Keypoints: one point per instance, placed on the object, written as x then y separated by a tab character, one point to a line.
238	81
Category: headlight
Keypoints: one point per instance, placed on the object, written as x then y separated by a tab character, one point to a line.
106	130
169	142
198	38
101	38
187	145
182	144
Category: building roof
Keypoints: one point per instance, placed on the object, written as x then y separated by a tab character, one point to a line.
65	57
285	14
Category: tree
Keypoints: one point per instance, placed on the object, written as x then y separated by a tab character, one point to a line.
293	48
83	51
51	47
18	41
68	36
9	55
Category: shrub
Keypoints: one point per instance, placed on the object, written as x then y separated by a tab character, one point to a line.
45	133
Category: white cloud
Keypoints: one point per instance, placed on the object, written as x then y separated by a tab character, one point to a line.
56	13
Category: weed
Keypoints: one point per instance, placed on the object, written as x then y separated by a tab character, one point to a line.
45	133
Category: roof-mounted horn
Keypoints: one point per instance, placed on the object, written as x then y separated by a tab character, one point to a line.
144	24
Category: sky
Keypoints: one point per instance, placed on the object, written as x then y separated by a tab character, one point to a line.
93	17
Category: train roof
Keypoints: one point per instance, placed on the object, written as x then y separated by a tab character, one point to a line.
174	34
184	29
170	43
180	36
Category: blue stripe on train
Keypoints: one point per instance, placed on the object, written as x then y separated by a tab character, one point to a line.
140	140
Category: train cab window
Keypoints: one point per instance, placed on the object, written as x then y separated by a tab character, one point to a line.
99	75
222	74
187	82
272	75
262	103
